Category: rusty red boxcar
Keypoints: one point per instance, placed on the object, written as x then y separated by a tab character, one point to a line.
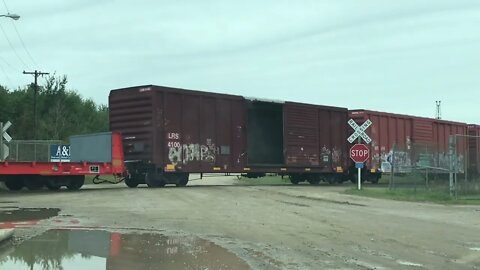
417	141
474	150
170	132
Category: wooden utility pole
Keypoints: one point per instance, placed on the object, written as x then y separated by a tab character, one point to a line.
36	74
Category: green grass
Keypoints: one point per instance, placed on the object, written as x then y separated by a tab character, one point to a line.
267	180
413	196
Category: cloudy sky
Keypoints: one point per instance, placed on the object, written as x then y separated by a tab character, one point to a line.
396	56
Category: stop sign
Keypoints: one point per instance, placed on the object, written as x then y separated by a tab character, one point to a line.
359	153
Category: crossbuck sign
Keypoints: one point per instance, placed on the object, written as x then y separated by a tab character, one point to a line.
4	151
359	131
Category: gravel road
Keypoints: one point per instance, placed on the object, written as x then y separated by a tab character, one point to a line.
280	227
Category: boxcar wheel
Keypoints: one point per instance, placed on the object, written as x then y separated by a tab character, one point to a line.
331	179
182	179
154	180
14	184
314	181
295	179
76	182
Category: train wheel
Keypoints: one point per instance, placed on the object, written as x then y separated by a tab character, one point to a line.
51	184
154	180
76	182
33	183
182	179
14	184
131	182
295	178
331	179
313	179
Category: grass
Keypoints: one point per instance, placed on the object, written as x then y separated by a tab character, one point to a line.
412	196
267	180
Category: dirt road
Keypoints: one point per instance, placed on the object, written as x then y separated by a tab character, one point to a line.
282	227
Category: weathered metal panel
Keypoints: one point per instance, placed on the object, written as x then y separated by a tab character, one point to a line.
315	136
418	141
131	113
199	131
95	147
301	135
387	130
191	130
474	149
333	152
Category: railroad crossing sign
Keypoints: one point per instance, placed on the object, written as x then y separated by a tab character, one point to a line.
359	153
359	131
4	131
4	150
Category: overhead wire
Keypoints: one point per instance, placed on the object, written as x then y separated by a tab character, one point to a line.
11	46
9	65
6	75
20	38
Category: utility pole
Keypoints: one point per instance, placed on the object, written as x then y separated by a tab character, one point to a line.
439	113
35	90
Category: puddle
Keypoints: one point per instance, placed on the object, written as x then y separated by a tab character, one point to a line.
475	248
25	217
84	249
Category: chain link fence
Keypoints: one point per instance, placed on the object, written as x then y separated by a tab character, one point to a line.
465	173
426	167
31	150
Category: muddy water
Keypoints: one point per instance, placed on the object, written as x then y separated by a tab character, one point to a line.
93	249
12	216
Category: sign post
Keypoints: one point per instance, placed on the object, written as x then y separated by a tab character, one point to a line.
359	153
4	150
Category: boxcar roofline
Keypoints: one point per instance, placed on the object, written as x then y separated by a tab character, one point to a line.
215	94
358	111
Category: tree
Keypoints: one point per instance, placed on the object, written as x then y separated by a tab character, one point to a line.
60	112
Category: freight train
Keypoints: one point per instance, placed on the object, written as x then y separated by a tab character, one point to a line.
170	132
159	135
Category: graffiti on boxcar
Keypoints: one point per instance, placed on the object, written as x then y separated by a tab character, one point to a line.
336	155
401	160
185	153
331	155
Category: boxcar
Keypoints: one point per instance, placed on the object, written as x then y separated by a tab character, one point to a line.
170	132
416	141
474	150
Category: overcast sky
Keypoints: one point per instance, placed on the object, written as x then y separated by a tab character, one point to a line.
396	56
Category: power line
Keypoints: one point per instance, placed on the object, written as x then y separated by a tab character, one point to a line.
11	46
8	64
5	4
6	75
20	37
23	45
